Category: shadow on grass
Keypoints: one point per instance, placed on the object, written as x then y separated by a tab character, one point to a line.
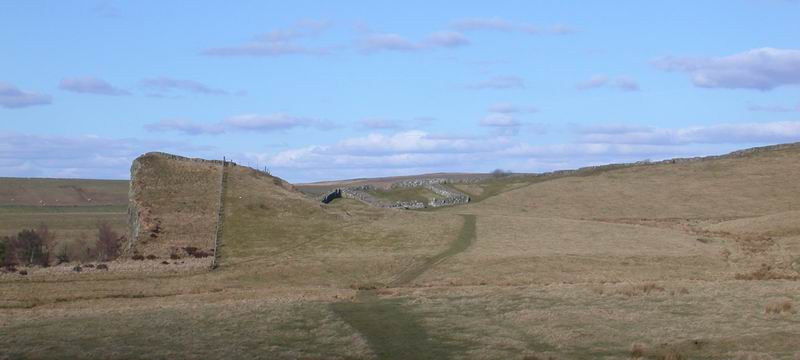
391	330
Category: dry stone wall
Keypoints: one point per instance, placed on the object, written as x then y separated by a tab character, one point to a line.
448	197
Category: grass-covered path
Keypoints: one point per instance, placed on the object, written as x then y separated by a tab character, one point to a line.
390	329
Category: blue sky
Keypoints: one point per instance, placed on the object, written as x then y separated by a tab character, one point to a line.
317	90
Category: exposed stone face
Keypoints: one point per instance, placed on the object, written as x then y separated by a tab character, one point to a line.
172	203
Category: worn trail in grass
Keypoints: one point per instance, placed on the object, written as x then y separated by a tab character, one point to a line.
391	330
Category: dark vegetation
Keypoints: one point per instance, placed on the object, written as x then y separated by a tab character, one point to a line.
41	247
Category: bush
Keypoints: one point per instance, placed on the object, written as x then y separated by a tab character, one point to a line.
102	267
501	173
30	249
780	306
200	254
108	242
151	257
62	256
137	257
5	251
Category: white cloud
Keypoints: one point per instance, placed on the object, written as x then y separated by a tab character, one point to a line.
380	124
244	122
187	127
736	133
760	69
267	122
505	25
774	108
493	23
446	39
499	120
279	42
12	98
508	108
86	156
499	82
376	42
624	83
163	83
90	85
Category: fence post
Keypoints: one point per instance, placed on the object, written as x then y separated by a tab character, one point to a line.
220	212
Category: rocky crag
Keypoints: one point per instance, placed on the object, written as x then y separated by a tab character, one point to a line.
173	204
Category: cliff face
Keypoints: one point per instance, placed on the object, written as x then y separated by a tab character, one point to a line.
173	203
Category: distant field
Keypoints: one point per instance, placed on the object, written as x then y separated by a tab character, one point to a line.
62	192
71	208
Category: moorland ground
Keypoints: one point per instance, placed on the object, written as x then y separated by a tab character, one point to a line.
695	259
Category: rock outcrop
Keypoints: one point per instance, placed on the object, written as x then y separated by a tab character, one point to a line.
173	203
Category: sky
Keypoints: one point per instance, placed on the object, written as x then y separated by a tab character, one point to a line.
317	90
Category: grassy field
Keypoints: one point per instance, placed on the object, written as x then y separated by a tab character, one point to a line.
71	208
420	194
692	260
62	192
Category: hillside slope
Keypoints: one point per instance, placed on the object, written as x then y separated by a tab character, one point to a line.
275	234
749	183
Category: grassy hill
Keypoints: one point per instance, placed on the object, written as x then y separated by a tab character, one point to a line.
672	260
750	184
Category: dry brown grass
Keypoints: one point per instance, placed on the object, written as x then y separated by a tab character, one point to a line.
529	283
641	289
753	185
638	350
749	355
767	272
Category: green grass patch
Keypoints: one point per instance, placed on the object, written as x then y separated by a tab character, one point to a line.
404	194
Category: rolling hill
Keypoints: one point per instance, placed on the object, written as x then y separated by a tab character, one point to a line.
694	258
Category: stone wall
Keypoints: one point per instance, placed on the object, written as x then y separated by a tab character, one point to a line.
448	196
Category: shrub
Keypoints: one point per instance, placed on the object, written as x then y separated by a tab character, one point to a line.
151	257
77	268
500	173
30	249
80	250
190	250
89	265
765	272
5	251
138	257
780	306
108	242
200	254
23	272
102	267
